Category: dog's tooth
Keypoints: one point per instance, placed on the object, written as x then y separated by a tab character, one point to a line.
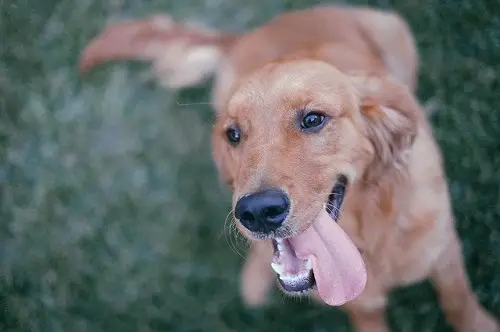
280	244
287	277
309	264
293	277
278	268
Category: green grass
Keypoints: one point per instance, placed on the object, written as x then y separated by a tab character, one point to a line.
111	211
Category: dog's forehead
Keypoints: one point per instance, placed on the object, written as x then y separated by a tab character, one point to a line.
287	85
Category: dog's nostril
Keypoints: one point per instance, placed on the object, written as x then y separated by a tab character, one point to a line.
274	211
247	216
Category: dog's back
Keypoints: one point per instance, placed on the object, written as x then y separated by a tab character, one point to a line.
351	38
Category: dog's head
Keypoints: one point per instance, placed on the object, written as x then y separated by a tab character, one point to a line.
293	138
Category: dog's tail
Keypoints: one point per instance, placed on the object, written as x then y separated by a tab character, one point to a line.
182	55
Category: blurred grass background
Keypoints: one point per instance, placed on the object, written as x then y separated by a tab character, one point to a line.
111	211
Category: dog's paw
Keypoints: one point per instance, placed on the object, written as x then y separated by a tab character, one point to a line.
257	277
253	299
254	289
484	322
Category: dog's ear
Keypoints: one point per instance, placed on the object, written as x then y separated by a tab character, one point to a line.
391	117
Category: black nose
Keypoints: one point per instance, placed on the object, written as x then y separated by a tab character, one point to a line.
262	211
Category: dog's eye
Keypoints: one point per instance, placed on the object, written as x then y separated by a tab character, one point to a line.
312	120
233	135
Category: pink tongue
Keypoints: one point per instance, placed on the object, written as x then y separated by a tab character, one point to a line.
338	267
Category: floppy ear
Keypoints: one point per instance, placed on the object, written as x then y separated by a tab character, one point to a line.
391	118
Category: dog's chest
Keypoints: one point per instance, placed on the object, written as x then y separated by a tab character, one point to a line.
397	248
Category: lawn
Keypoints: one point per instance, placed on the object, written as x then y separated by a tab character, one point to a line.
111	211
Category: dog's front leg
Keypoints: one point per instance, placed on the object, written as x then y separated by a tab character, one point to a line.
458	302
367	312
257	276
369	321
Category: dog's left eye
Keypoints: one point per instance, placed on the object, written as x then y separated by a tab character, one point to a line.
312	120
233	135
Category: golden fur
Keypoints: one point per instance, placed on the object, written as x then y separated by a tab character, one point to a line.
359	66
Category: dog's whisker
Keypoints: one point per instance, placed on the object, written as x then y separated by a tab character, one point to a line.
330	205
241	242
232	245
193	104
230	233
225	224
234	235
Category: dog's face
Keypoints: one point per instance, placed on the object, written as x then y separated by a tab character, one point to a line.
293	138
300	128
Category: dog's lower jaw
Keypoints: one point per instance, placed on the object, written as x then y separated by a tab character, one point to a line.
296	276
297	286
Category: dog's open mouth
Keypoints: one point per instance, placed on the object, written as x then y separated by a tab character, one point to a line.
322	257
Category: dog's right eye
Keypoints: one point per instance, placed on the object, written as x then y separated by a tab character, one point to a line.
312	121
233	135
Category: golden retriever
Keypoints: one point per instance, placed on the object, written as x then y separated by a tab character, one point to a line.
336	176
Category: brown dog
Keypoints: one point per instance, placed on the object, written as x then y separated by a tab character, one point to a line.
337	178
